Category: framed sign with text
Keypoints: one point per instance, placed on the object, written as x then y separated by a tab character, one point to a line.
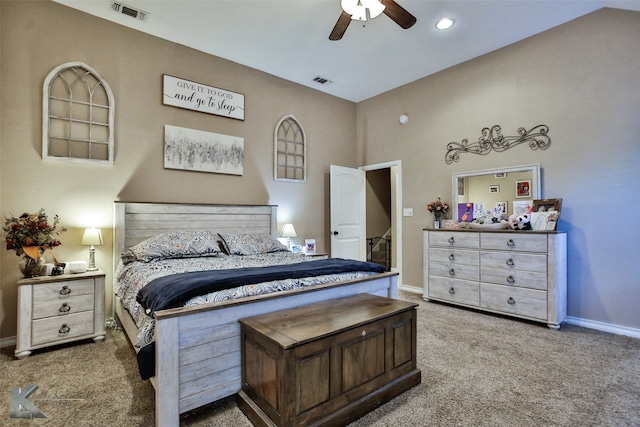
198	97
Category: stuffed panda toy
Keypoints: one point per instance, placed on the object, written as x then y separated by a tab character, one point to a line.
523	222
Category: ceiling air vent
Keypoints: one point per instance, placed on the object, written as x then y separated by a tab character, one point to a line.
322	81
122	8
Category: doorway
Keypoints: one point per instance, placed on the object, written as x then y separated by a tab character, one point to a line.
384	214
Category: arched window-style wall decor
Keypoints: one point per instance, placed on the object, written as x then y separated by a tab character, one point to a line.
290	162
78	112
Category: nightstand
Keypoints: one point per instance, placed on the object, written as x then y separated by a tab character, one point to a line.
59	309
318	255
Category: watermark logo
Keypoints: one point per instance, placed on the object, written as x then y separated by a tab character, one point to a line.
21	407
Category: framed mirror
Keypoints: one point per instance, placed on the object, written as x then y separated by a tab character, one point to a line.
509	188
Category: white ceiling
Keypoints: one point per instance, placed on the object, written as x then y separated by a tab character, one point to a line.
290	38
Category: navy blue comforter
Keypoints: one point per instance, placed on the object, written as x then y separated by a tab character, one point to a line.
174	290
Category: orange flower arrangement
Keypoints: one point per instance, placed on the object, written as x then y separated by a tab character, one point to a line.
438	207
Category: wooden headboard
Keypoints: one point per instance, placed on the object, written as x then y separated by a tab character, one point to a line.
135	222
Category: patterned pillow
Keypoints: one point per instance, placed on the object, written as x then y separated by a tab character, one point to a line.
251	244
180	244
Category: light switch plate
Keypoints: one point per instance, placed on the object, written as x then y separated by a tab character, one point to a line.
407	212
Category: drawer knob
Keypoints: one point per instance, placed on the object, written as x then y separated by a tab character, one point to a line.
510	262
511	243
452	272
65	290
64	308
511	280
511	301
452	240
452	291
64	329
452	257
364	333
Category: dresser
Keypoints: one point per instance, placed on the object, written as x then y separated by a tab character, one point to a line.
59	309
515	273
327	363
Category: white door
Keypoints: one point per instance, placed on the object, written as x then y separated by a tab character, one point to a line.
348	213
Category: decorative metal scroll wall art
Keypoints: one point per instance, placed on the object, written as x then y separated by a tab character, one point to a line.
493	140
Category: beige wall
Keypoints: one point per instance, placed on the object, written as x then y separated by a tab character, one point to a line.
582	79
39	35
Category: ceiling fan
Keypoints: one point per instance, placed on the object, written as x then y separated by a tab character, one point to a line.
356	10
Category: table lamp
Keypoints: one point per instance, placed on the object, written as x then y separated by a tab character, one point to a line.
288	231
92	236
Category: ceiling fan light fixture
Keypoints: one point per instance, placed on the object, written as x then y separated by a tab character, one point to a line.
349	6
444	24
360	14
375	7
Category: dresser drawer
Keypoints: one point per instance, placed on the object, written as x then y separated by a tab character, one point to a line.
62	328
514	261
519	301
459	271
514	242
454	290
454	240
454	256
63	290
520	278
62	307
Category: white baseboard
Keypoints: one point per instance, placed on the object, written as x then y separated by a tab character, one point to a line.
605	327
412	289
7	342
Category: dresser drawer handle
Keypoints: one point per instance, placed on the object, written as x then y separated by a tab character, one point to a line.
363	333
511	243
511	301
452	272
64	329
64	308
65	290
452	257
510	262
452	291
452	240
511	280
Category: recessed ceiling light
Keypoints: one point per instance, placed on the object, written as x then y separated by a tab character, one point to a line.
444	24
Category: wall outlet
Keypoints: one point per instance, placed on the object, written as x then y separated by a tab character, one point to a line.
407	212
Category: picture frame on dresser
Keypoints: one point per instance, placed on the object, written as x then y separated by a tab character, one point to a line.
545	214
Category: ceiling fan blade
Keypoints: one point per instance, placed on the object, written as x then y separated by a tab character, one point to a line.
398	14
341	26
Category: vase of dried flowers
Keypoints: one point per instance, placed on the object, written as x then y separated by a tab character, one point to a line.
29	235
30	267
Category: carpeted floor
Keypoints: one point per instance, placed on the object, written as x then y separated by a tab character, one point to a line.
477	370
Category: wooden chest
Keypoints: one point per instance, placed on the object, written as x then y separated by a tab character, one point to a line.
327	363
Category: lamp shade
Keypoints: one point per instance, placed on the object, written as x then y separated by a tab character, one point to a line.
288	231
92	237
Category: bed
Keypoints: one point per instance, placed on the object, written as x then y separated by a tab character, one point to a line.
197	348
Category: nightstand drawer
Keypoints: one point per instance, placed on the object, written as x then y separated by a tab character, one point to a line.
62	290
61	307
62	328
